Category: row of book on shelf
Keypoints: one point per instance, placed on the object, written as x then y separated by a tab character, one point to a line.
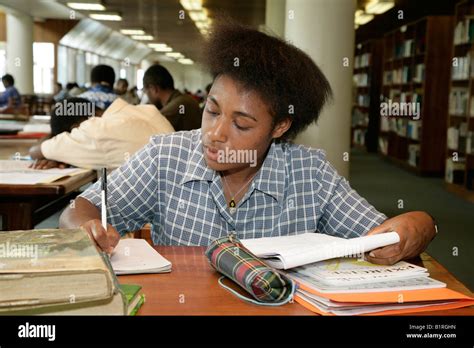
404	74
402	127
362	100
358	136
459	138
361	80
464	31
459	102
461	67
405	48
362	60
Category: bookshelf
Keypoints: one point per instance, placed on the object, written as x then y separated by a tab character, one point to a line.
414	102
459	173
367	83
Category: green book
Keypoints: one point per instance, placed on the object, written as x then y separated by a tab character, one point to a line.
55	269
133	298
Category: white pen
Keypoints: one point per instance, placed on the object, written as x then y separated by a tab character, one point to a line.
104	198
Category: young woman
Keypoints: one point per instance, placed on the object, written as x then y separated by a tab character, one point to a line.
240	172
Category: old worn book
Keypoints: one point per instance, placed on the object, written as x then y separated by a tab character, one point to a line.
43	267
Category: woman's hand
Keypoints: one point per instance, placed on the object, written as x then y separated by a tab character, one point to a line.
47	164
416	230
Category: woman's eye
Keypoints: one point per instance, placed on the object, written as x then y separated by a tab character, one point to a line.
241	128
211	112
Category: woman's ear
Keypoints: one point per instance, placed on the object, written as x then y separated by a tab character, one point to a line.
281	128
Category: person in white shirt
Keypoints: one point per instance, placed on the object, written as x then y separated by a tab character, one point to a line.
106	141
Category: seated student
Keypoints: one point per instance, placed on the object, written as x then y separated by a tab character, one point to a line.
65	92
121	89
101	92
10	99
180	109
105	141
192	192
63	120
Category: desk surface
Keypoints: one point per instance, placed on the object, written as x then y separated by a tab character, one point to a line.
59	187
192	289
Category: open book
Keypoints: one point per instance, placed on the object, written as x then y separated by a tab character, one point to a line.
134	256
298	250
15	172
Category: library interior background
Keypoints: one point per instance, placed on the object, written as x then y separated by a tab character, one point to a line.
400	127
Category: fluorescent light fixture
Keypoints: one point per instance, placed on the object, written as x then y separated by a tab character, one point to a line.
191	4
142	37
185	61
86	6
174	55
202	25
362	18
157	45
163	49
106	16
132	31
198	15
379	6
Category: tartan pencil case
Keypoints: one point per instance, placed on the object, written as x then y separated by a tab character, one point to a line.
267	286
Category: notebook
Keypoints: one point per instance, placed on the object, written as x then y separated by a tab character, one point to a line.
135	256
292	251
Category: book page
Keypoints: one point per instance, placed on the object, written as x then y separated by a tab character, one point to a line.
14	172
137	256
297	250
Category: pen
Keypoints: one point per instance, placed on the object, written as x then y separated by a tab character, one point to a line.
104	198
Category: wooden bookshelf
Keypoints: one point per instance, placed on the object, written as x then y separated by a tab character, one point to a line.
416	69
459	175
367	83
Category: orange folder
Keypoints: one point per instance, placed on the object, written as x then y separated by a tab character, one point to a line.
392	297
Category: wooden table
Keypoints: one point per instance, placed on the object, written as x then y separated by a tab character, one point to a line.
192	289
23	206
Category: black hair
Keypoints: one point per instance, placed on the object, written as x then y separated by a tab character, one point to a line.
125	81
71	85
8	79
103	73
61	118
158	75
284	76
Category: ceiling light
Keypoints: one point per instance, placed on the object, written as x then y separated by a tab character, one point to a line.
185	61
163	49
106	16
86	6
157	45
379	6
198	15
174	55
191	4
132	31
363	18
142	37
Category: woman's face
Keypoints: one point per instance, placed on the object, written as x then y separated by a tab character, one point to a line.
236	126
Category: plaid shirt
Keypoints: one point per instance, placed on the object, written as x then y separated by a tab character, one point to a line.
168	184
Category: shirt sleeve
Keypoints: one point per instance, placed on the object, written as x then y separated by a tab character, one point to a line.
132	191
344	212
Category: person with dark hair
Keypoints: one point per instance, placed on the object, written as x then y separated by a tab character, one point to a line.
180	109
121	89
10	99
101	92
240	172
97	142
65	92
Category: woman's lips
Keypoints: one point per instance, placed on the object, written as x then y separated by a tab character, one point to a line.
212	153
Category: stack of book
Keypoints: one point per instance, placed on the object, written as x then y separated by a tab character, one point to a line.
464	31
460	69
333	281
59	272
